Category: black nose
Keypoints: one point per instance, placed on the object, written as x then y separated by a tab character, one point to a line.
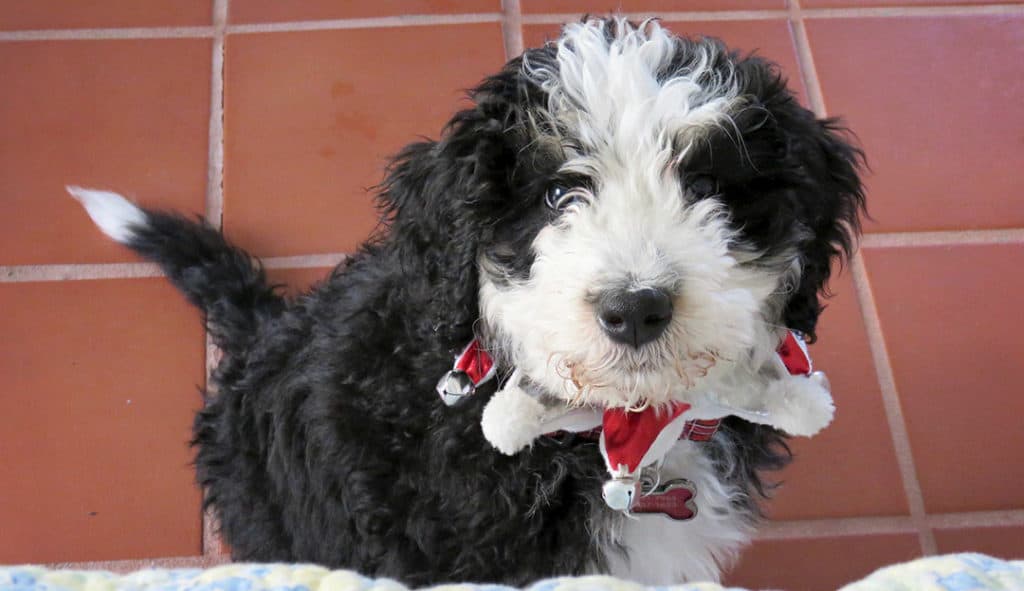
634	317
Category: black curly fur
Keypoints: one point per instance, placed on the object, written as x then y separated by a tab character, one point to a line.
324	440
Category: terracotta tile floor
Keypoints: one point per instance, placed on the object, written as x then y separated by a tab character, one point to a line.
921	340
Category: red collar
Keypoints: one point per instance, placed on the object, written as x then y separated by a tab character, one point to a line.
475	367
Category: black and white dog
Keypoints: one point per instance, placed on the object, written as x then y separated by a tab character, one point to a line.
616	207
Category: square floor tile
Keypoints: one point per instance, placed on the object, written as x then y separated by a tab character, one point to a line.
819	564
312	118
936	102
1001	542
100	385
75	14
125	115
265	11
654	7
770	39
850	468
953	331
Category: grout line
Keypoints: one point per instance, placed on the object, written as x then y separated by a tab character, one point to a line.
904	11
305	261
945	238
901	524
127	566
512	28
469	18
1011	518
25	273
215	214
126	33
805	60
779	530
82	272
212	546
410	20
891	403
852	526
869	312
215	165
690	16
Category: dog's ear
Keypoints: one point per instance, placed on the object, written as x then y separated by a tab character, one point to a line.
432	200
831	200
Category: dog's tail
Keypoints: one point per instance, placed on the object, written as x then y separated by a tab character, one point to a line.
223	281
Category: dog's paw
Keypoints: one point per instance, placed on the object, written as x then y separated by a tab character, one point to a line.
803	406
512	419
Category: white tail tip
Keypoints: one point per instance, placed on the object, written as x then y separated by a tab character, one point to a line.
114	214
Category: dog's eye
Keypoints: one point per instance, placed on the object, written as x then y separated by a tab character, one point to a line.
702	185
560	197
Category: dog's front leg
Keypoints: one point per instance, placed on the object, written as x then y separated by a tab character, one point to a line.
514	417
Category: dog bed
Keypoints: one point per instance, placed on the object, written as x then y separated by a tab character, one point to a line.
954	572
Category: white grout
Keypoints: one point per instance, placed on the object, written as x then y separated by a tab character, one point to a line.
127	566
125	33
512	28
88	271
412	20
526	19
827	528
891	403
305	261
215	166
1011	518
812	86
25	273
912	11
780	530
214	211
947	238
71	272
898	524
869	313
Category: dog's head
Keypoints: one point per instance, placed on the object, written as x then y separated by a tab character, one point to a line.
627	212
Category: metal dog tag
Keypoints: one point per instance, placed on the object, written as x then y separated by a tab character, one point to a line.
455	387
674	499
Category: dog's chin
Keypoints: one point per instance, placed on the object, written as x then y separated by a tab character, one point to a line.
632	381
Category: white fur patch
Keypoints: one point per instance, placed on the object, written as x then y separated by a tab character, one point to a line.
662	551
114	214
512	419
626	123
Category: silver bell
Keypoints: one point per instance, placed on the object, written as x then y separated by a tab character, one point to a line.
619	493
822	380
455	387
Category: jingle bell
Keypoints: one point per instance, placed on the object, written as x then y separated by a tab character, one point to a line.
822	379
619	493
455	387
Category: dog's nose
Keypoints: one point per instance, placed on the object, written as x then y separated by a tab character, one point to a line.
634	317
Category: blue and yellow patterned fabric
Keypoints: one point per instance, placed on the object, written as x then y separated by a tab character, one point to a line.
958	572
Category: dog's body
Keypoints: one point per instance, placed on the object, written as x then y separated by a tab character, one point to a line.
583	168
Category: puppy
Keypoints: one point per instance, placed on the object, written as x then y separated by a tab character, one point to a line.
624	219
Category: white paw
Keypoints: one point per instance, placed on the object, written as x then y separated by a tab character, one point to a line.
512	419
805	407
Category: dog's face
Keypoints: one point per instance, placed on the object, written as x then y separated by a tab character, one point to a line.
650	211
